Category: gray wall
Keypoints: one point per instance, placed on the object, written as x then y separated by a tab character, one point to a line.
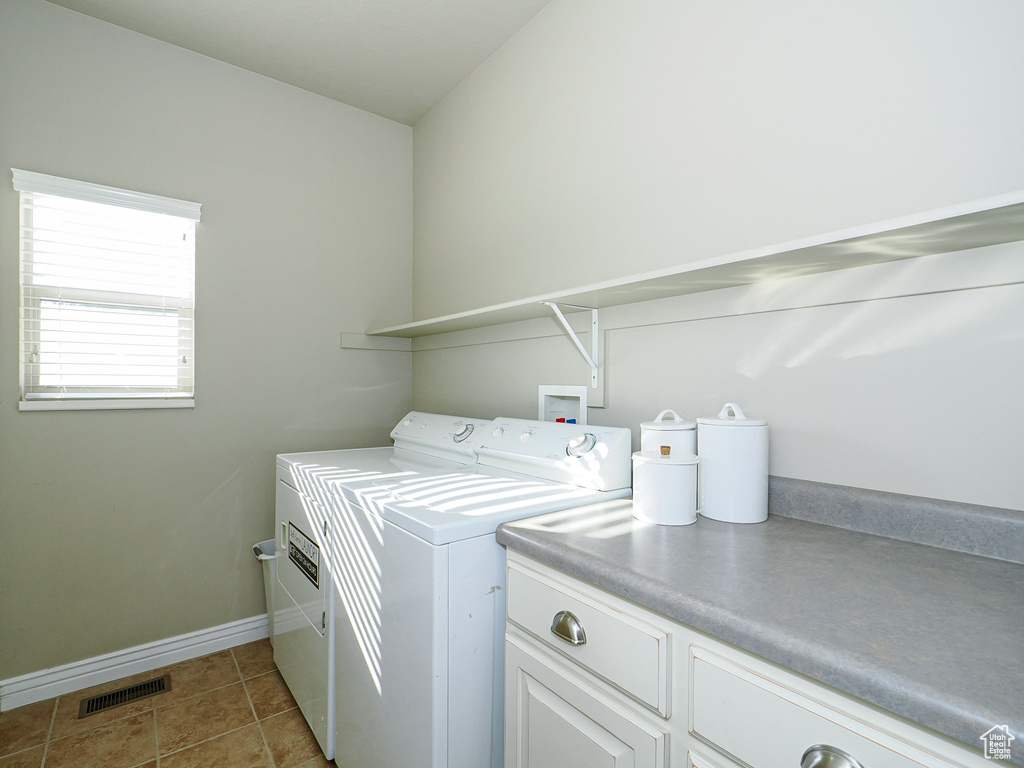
126	527
610	138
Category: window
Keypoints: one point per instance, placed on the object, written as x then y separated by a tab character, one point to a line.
107	296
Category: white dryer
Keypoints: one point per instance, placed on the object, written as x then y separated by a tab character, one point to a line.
419	624
327	554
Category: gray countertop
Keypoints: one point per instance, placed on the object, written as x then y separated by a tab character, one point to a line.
934	635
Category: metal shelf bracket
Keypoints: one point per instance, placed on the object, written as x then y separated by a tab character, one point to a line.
592	356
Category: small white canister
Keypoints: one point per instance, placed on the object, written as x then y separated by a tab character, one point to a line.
733	467
676	433
665	487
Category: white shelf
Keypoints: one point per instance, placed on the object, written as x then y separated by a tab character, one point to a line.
970	225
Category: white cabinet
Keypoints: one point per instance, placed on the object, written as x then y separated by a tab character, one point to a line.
642	674
586	686
644	690
762	723
556	720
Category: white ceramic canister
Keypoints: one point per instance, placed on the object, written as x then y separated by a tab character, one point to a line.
665	487
733	467
676	433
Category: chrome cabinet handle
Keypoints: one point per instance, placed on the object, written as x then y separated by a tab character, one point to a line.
566	626
824	756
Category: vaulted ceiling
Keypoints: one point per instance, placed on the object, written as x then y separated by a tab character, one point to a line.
395	58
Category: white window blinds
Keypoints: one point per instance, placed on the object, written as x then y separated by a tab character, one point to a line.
107	294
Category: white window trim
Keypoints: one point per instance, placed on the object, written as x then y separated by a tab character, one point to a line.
31	181
105	404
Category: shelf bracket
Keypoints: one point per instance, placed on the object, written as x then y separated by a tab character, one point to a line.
592	357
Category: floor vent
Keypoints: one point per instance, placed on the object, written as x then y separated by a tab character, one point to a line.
122	696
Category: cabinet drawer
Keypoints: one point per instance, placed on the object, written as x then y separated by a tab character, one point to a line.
769	725
626	652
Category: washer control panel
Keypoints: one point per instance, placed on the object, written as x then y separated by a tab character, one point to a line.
587	456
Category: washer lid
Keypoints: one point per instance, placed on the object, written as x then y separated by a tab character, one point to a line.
457	506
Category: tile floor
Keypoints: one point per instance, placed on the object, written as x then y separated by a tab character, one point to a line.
227	710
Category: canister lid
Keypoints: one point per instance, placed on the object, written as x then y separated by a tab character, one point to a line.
656	457
734	419
676	423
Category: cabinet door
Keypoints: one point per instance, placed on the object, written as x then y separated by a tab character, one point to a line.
556	720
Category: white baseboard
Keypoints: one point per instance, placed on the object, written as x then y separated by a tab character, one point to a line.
48	683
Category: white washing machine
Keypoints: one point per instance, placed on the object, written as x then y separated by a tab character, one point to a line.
420	615
318	530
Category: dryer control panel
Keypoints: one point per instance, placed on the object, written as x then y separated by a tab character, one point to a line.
441	436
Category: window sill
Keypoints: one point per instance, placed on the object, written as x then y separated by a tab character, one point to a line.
105	405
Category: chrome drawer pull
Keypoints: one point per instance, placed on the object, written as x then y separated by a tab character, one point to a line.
824	756
566	626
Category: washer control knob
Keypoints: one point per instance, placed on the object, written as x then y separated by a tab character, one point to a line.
407	422
525	436
463	433
581	444
498	432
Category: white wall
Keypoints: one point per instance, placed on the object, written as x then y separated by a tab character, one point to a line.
609	138
900	377
122	528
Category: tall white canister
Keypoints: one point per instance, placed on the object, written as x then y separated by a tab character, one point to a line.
668	429
733	467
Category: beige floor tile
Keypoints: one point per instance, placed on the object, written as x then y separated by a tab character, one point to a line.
317	762
196	676
202	717
30	758
121	744
290	740
255	658
66	722
269	695
26	726
239	749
